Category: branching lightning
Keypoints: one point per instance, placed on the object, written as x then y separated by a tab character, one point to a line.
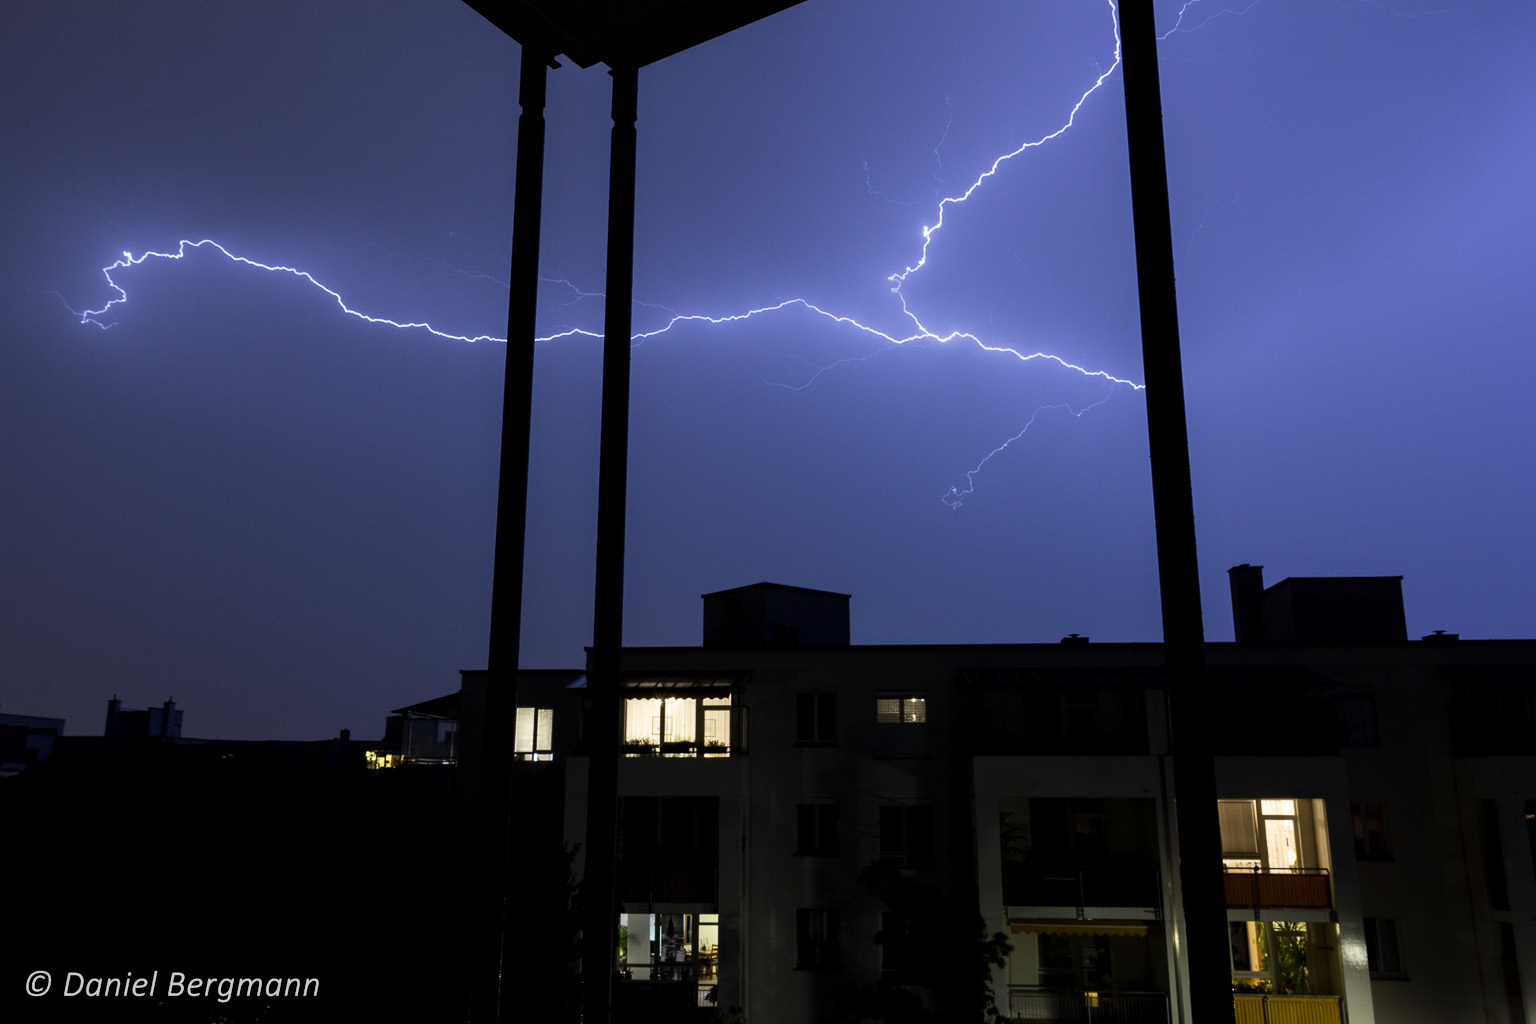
919	332
93	316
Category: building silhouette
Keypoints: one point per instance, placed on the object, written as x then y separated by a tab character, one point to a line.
809	827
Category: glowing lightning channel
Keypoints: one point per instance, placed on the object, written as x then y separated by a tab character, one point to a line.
1178	23
952	497
91	316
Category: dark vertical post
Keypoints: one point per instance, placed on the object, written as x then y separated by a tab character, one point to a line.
494	817
1199	831
601	925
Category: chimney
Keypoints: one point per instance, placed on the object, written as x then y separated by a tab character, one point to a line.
346	735
1247	584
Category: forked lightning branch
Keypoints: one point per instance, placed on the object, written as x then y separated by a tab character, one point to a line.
916	331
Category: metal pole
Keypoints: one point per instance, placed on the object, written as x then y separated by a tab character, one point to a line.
1199	832
601	923
493	819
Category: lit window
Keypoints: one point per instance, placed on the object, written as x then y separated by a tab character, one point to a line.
533	736
678	726
901	710
1272	956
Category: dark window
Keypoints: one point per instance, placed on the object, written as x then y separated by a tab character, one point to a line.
898	946
1087	830
1370	830
816	939
911	710
1511	964
1530	827
815	718
1493	857
1356	714
1381	954
906	836
816	829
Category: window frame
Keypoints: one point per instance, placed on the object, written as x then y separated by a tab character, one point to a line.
818	711
1374	965
915	847
816	829
911	708
699	744
1355	716
544	717
817	946
1360	816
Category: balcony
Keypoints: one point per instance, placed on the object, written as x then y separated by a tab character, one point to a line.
1115	884
679	748
684	726
643	884
1268	1009
1289	888
1053	1005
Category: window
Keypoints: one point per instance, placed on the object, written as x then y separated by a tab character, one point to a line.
1356	715
816	830
1493	856
901	710
815	718
899	956
906	836
533	735
1370	831
1272	956
1268	840
685	726
816	939
427	739
1381	953
1239	832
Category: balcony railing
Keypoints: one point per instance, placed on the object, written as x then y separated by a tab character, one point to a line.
1267	1009
1292	887
1117	884
1060	1005
644	883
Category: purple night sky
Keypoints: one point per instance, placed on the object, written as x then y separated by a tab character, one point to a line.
283	516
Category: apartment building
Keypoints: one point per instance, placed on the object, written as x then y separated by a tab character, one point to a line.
809	827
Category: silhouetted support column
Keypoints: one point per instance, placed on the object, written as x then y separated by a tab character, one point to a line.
601	921
494	818
1204	943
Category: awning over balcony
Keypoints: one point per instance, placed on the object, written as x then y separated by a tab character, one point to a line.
1047	926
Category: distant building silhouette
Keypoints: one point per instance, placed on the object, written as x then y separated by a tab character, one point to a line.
164	721
26	741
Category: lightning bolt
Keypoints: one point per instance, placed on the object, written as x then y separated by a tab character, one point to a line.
129	260
671	319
